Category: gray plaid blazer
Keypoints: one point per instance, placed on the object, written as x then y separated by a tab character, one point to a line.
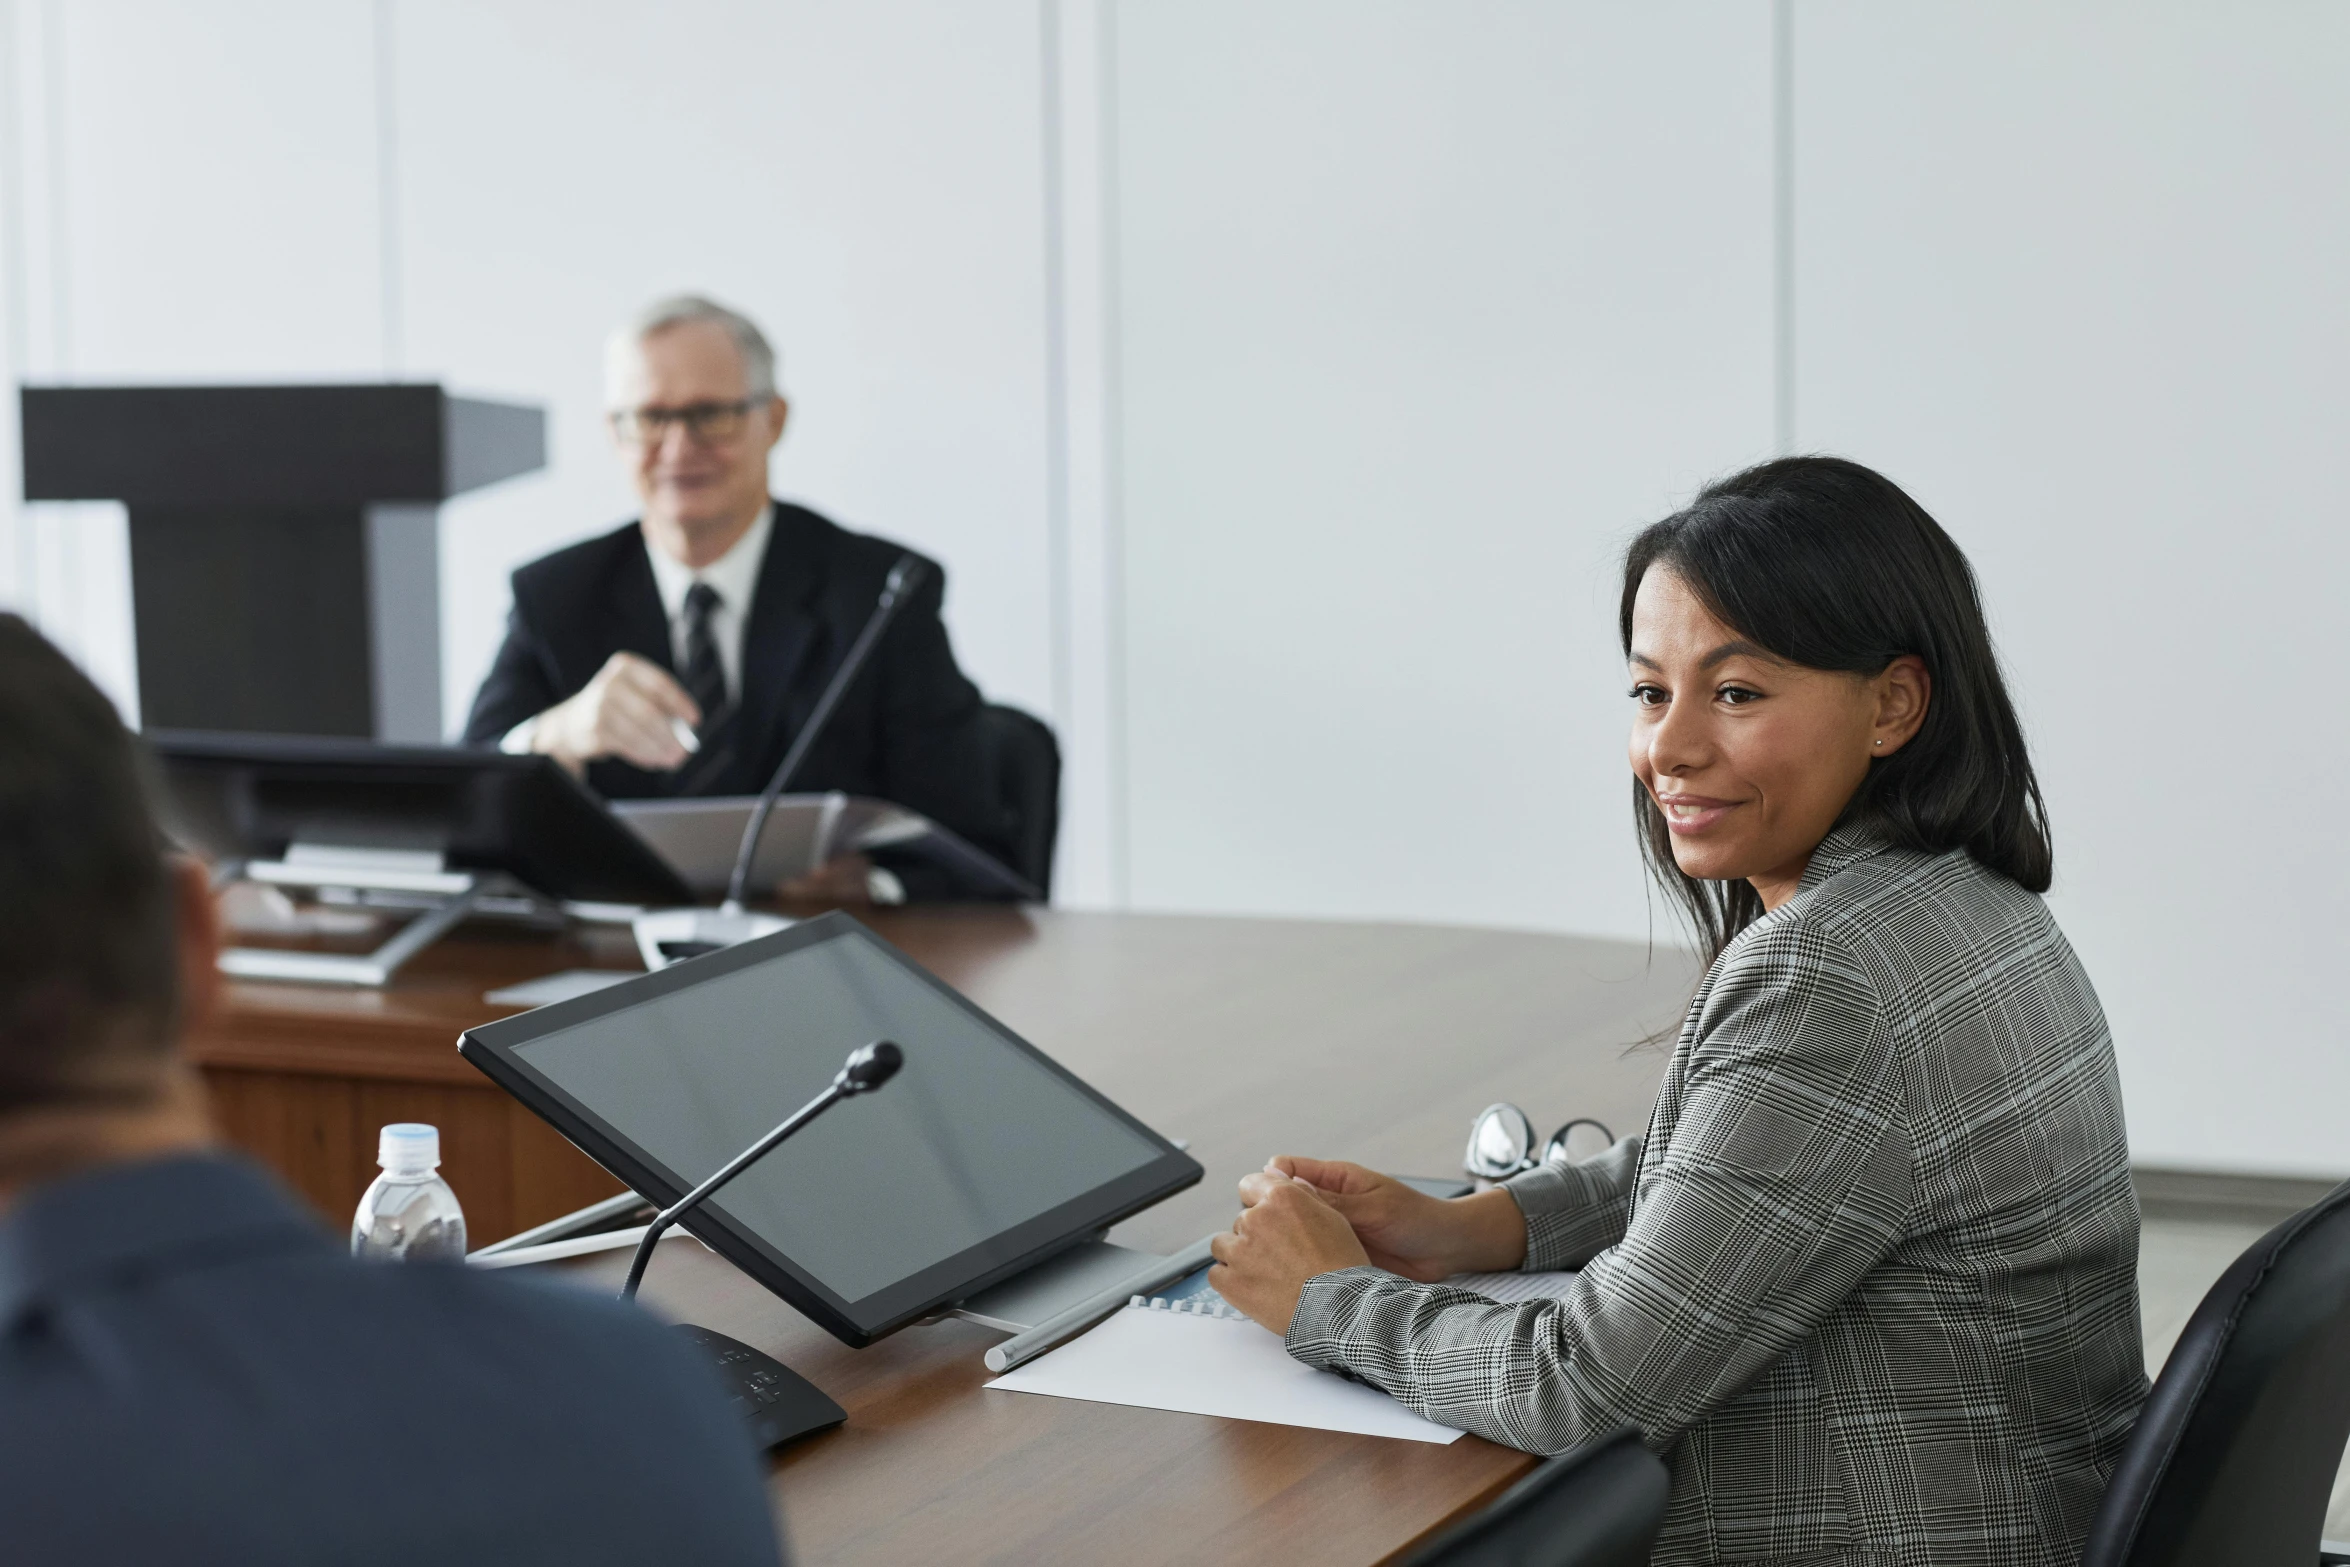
1870	1281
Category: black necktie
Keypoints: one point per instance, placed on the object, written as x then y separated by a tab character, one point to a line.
705	677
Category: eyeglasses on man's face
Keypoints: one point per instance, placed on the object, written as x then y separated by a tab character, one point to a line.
705	422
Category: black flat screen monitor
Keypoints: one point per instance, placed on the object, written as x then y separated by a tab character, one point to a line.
981	1157
243	796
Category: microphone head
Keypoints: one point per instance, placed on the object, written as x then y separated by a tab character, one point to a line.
903	575
870	1067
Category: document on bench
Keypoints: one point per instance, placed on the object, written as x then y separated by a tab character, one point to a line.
1190	1352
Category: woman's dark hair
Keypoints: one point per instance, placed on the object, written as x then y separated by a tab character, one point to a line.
1829	565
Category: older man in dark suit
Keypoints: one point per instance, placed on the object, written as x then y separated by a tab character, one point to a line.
680	655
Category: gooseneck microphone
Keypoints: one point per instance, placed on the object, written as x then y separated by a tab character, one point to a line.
776	1402
904	577
866	1069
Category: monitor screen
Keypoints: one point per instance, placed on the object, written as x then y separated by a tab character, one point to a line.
976	1136
257	797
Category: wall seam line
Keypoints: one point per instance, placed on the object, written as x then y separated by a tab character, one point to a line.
1783	226
1114	472
17	305
387	187
1056	382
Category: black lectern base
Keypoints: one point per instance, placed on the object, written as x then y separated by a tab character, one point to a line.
776	1402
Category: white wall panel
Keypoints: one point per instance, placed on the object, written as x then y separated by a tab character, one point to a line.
74	566
193	200
219	192
1386	323
1424	309
2076	276
864	180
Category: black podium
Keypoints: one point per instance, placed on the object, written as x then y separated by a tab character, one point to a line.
285	551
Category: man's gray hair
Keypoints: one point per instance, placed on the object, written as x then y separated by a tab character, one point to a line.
677	310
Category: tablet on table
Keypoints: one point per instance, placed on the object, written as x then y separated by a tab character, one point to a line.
982	1157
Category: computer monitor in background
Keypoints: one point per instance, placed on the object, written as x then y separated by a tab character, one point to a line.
445	825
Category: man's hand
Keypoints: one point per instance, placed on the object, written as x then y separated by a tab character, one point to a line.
625	711
1284	1236
846	879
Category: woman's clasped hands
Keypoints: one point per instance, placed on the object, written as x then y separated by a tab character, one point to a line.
1301	1218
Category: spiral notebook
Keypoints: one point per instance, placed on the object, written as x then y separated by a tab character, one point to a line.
1187	1349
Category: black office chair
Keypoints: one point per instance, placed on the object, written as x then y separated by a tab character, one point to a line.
1598	1506
1024	763
2234	1458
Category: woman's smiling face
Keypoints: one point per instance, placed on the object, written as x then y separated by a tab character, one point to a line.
1751	758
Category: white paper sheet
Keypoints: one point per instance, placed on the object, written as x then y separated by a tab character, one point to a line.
1212	1366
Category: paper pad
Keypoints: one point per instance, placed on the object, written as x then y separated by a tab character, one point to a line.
1212	1366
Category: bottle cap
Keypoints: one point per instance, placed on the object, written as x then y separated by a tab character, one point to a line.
409	1147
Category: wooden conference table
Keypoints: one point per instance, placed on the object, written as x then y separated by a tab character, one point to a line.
1248	1037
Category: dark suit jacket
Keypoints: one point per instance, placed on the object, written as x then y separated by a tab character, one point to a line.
191	1371
907	731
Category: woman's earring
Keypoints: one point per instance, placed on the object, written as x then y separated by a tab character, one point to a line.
1879	744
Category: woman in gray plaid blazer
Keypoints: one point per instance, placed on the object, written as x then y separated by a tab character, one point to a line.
1869	1281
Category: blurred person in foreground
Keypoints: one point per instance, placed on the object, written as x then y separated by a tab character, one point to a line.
193	1371
679	654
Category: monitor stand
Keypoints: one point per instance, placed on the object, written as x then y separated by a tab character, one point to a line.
1062	1280
419	879
1017	1304
414	882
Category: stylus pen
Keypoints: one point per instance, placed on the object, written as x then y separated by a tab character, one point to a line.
1027	1346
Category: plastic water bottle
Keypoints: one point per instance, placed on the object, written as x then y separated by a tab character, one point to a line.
409	1214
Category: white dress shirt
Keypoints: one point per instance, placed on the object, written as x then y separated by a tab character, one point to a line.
733	576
